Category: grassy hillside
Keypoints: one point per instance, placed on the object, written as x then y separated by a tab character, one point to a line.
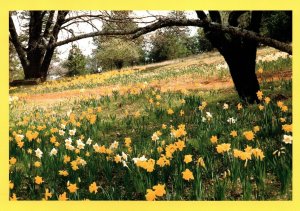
169	131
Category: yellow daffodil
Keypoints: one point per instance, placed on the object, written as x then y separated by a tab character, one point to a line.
63	197
13	197
213	139
37	164
239	106
259	95
280	104
267	100
249	135
150	196
221	148
187	175
233	133
11	185
47	194
170	111
261	107
72	188
282	119
38	180
63	173
201	162
159	190
181	113
287	128
93	188
256	129
127	142
188	158
284	108
12	161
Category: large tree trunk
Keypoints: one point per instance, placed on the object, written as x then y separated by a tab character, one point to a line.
36	58
239	53
119	64
241	62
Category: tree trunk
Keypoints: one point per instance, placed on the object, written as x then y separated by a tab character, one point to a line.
35	62
119	64
36	58
239	53
241	62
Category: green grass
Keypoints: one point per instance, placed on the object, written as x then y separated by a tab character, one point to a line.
120	183
224	176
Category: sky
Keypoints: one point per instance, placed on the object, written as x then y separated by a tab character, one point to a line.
86	45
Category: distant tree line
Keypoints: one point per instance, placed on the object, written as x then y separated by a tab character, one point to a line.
116	52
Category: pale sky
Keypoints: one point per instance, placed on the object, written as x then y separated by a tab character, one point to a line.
86	45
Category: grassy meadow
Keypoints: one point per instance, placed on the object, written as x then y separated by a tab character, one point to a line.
171	131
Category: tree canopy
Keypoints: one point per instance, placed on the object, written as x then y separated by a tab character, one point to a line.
76	62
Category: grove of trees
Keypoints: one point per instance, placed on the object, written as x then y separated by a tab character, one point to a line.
76	62
117	51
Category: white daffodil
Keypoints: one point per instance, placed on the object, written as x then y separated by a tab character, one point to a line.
287	139
80	144
143	158
124	156
124	164
53	152
69	147
72	132
61	132
114	145
89	141
82	162
154	137
96	147
38	153
68	141
231	120
208	115
69	112
225	106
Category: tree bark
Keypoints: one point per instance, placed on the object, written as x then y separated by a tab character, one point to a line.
36	58
119	64
239	53
50	48
13	37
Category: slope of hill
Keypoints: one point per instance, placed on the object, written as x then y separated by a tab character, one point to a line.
202	72
170	131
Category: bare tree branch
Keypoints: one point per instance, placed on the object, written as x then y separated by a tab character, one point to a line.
233	17
215	16
49	24
235	31
15	40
